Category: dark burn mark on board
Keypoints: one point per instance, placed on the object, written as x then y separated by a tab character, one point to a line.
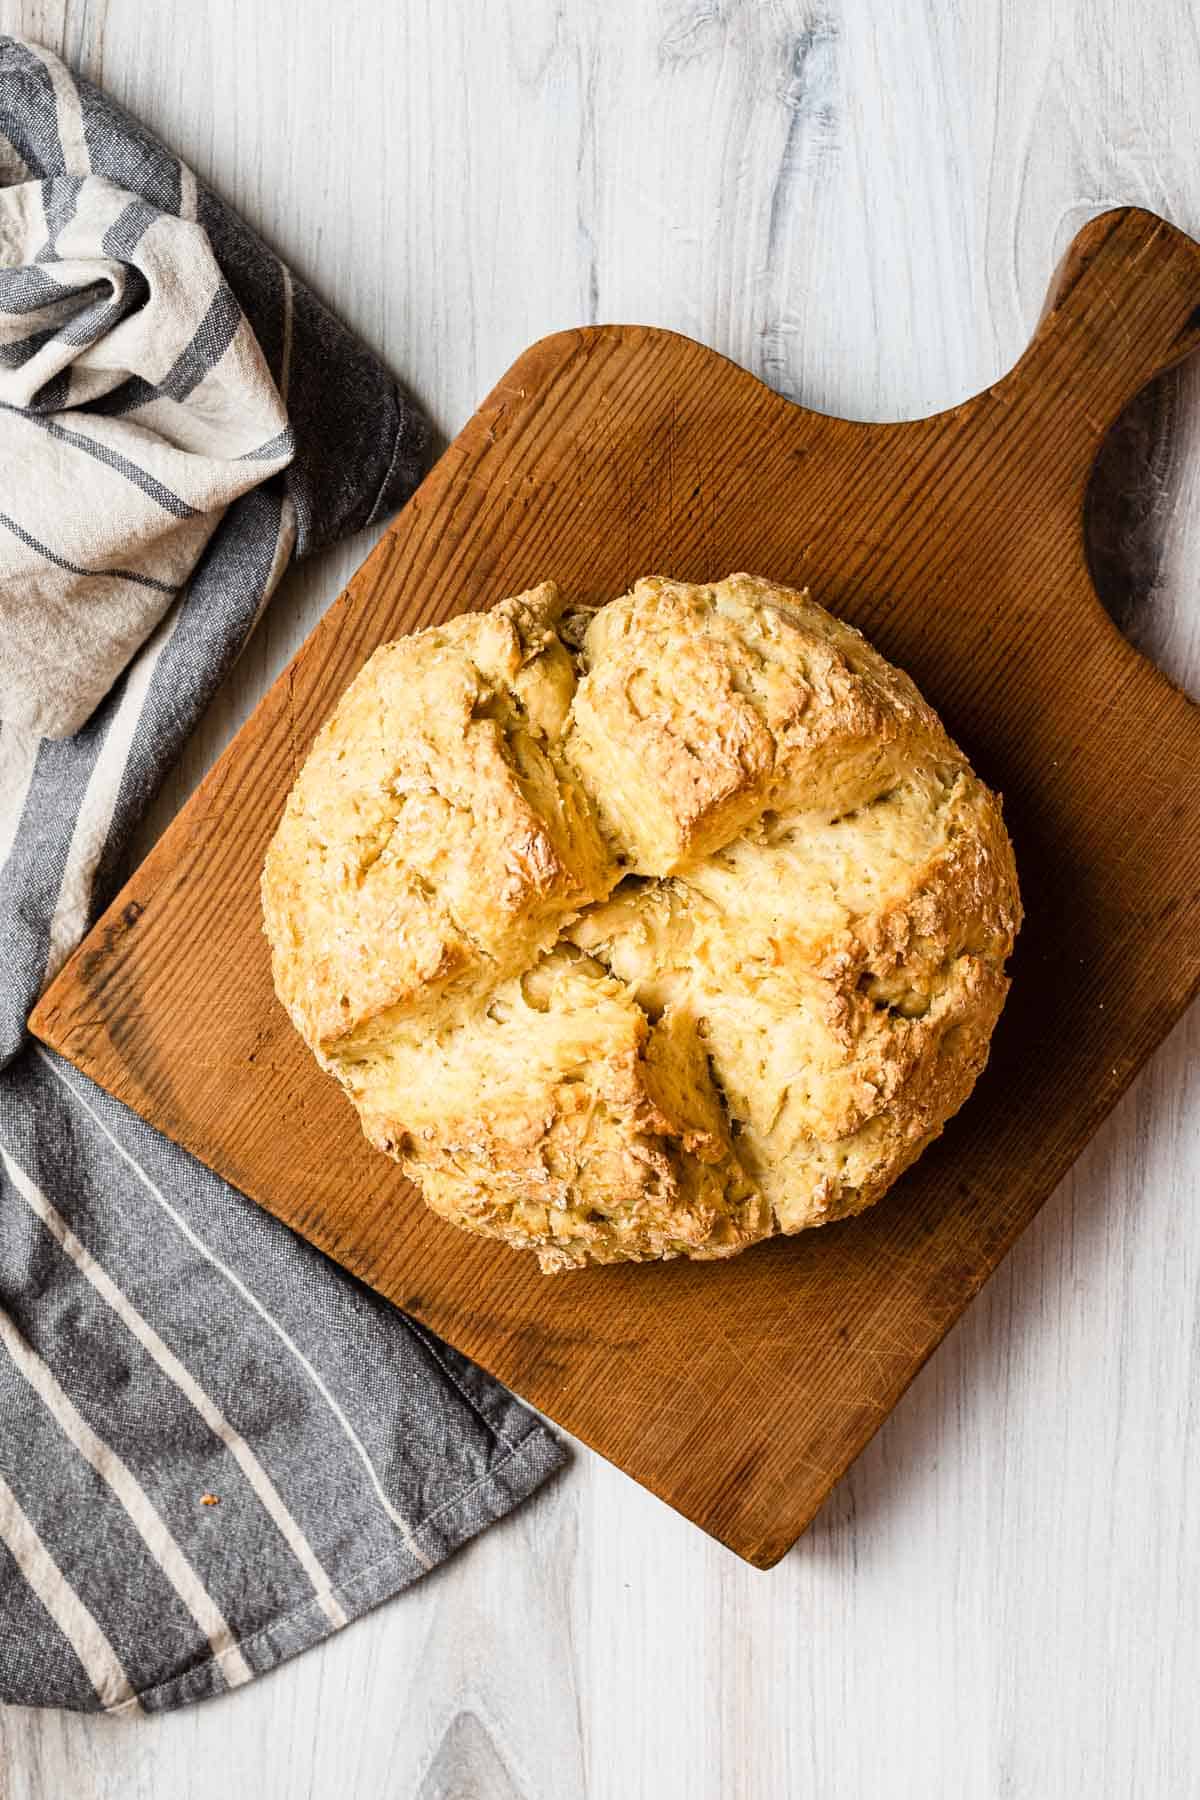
536	1351
1128	506
92	962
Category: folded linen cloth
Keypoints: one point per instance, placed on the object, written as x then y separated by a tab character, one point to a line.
215	1446
132	383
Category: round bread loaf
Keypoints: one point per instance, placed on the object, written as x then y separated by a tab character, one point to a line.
642	932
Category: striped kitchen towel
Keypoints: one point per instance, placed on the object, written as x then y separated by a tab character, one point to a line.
132	383
215	1446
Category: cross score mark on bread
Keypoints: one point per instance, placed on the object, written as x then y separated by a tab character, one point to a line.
646	931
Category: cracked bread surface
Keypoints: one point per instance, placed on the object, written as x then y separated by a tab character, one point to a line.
432	843
644	931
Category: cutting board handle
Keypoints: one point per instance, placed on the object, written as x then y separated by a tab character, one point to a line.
1123	306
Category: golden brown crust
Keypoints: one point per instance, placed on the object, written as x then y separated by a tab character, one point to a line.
430	842
702	706
790	992
560	1118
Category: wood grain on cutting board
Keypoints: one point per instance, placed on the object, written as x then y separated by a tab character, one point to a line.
738	1392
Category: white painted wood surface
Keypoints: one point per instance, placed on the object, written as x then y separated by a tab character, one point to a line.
861	201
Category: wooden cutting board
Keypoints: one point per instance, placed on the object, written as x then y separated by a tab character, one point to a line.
738	1392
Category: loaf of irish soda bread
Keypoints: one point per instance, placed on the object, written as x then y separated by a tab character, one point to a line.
644	931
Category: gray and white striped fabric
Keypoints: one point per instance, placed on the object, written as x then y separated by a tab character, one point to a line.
135	407
215	1446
